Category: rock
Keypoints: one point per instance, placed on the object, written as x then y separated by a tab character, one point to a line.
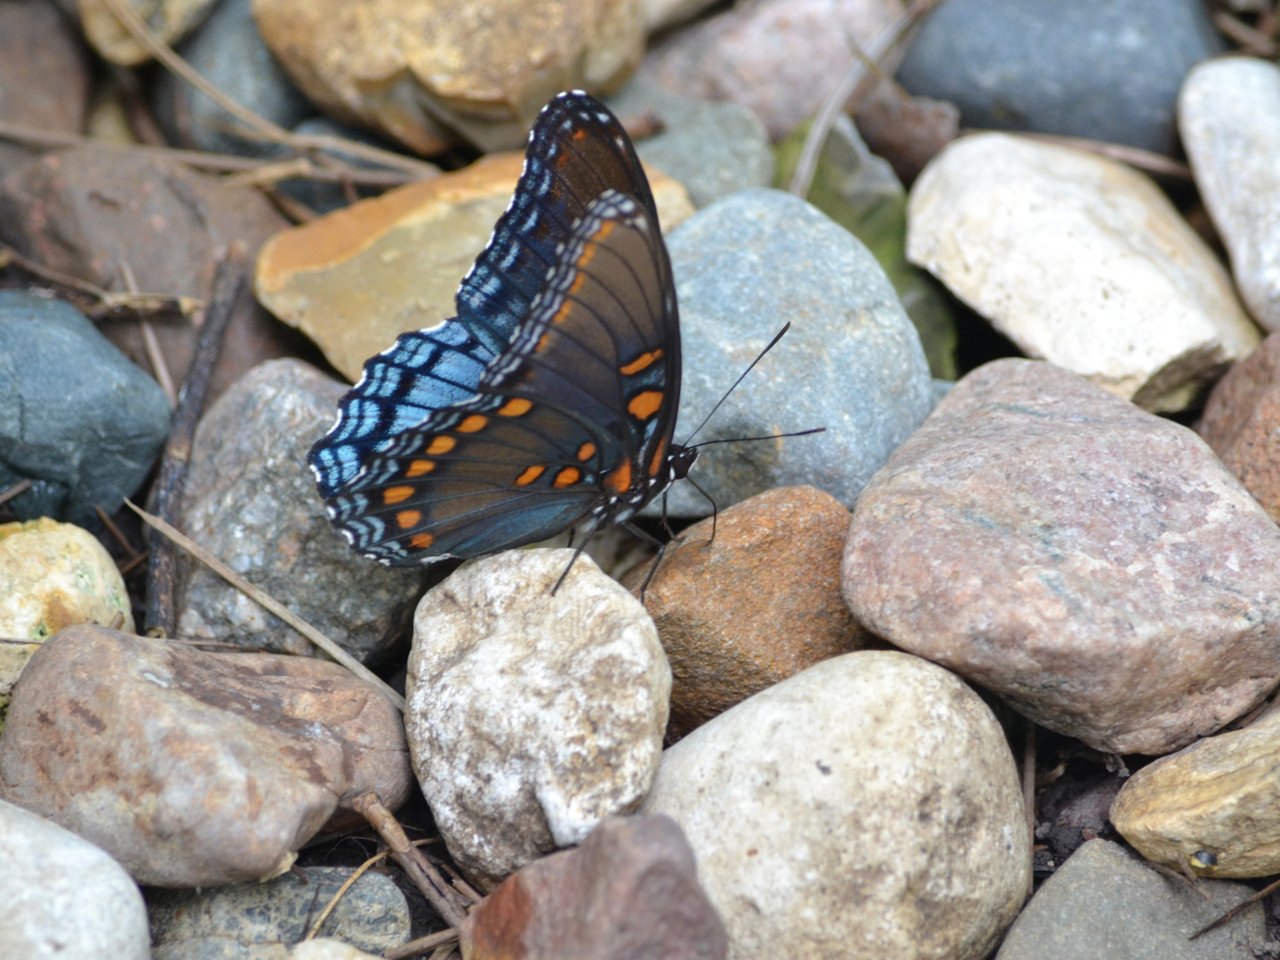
246	919
1055	544
750	608
326	196
852	362
1104	902
194	769
251	500
630	890
1101	70
712	149
63	897
228	52
860	192
1241	422
778	58
1211	805
906	131
531	715
44	75
323	948
101	420
52	575
1081	261
422	71
354	280
169	20
868	806
1229	115
126	215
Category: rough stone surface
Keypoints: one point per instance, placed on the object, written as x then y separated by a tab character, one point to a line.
868	806
249	919
1241	422
354	280
1229	115
62	896
631	890
851	363
251	500
1081	261
1094	564
775	57
773	609
192	768
76	417
1091	68
130	217
422	71
1105	902
530	715
1211	805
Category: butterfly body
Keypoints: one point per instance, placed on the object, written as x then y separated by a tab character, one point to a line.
551	397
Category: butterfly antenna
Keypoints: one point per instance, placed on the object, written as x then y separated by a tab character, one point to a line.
742	376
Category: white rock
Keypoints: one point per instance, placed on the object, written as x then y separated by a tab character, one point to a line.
1079	260
1229	117
63	897
532	716
323	948
867	807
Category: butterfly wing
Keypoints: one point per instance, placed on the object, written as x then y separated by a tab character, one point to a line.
573	419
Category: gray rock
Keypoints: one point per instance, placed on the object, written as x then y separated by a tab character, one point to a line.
260	921
228	51
76	416
1105	902
1094	564
1093	68
532	715
852	362
64	897
712	147
251	500
866	807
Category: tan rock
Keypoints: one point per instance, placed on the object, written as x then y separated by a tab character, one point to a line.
52	575
1081	261
357	278
1211	806
191	768
756	605
422	71
169	20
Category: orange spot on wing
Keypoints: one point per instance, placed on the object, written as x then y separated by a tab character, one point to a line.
642	362
658	459
515	407
440	445
587	451
567	477
619	480
394	495
421	540
418	467
408	518
473	424
529	475
645	404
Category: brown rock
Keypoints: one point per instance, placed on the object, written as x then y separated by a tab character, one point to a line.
631	890
121	215
44	74
170	20
191	768
356	279
424	71
759	603
1241	422
1094	564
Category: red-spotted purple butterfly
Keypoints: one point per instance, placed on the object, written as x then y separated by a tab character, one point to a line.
551	397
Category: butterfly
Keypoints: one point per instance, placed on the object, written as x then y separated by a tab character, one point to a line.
551	397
